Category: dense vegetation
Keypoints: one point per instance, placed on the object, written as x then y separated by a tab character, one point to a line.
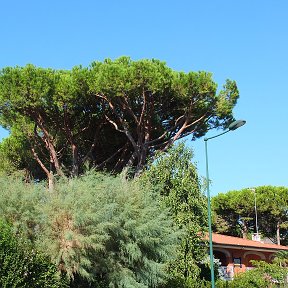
176	180
97	229
109	230
23	266
125	206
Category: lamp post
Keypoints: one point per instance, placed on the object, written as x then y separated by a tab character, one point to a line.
256	217
233	126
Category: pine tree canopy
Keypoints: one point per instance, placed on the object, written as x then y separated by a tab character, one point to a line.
110	115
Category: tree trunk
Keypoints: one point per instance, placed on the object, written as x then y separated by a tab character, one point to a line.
141	160
244	230
49	144
75	162
50	182
47	172
278	232
53	155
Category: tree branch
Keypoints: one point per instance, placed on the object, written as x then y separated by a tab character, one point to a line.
89	153
143	107
109	158
50	146
127	107
177	122
35	155
125	131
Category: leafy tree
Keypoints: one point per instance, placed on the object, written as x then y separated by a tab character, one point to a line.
272	205
22	266
99	230
235	212
42	106
175	178
111	115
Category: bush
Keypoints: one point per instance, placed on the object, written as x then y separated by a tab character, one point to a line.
262	276
101	231
21	266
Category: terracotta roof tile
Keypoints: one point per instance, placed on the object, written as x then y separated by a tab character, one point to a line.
236	241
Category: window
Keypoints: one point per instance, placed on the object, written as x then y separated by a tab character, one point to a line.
237	262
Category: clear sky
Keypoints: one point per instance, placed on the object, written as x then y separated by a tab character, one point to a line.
245	40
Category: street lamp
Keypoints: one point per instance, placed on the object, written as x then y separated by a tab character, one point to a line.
233	126
256	237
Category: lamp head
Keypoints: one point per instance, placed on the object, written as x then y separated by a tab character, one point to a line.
236	124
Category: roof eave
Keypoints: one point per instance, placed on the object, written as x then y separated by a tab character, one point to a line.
253	248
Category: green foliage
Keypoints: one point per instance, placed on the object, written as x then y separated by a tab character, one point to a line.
272	206
175	178
22	266
97	229
111	115
263	276
187	283
234	212
16	157
19	202
281	258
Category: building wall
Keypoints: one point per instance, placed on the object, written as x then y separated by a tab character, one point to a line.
238	260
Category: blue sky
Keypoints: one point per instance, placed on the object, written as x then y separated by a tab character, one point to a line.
246	41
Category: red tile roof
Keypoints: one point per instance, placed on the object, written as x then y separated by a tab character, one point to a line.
236	241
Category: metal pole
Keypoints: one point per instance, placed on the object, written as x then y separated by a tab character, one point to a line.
256	217
209	219
233	126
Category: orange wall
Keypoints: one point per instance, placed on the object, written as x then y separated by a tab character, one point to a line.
246	256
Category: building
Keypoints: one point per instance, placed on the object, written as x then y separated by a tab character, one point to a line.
236	253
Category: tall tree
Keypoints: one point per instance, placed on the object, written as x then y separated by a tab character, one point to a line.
175	178
152	106
51	110
112	115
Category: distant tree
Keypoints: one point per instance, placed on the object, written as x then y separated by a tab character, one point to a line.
272	205
112	115
234	212
174	176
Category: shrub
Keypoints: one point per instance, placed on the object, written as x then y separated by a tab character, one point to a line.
97	229
21	266
262	276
